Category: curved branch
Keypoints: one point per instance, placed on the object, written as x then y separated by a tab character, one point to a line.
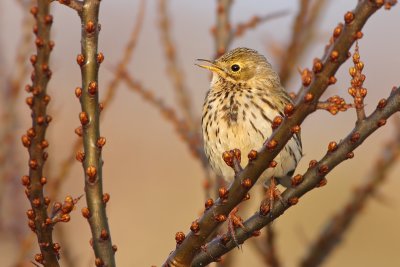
305	104
311	180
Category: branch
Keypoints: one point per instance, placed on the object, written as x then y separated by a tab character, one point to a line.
35	141
174	71
303	29
9	92
334	104
357	91
108	98
271	256
338	224
314	177
252	23
223	31
127	56
305	104
181	127
74	4
90	61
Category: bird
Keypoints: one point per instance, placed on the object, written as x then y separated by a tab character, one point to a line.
245	96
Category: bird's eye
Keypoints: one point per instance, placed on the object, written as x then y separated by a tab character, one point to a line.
235	67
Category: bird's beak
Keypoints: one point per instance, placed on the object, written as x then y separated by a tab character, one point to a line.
212	67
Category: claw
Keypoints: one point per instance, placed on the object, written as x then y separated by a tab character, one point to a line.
235	221
271	194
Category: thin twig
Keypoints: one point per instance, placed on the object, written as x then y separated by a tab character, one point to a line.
174	70
313	178
241	28
338	224
356	90
267	248
305	104
223	28
90	61
271	256
35	141
127	56
74	4
303	29
9	165
169	114
334	104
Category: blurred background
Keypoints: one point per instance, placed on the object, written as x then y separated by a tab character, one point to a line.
155	183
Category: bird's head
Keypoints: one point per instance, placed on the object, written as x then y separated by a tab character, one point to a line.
240	65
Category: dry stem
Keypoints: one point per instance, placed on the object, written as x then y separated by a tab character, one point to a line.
223	33
303	29
242	28
174	71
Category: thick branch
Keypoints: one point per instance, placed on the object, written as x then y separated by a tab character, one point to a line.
304	105
311	180
338	225
109	96
35	141
92	142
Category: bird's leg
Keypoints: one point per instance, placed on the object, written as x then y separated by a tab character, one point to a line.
271	194
235	221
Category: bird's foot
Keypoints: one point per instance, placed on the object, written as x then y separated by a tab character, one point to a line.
235	221
272	193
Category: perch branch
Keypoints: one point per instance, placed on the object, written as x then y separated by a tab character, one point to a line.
337	226
305	104
34	139
90	60
311	179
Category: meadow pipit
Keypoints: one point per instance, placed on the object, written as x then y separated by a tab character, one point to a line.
244	98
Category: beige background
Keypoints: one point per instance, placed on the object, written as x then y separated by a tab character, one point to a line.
154	182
